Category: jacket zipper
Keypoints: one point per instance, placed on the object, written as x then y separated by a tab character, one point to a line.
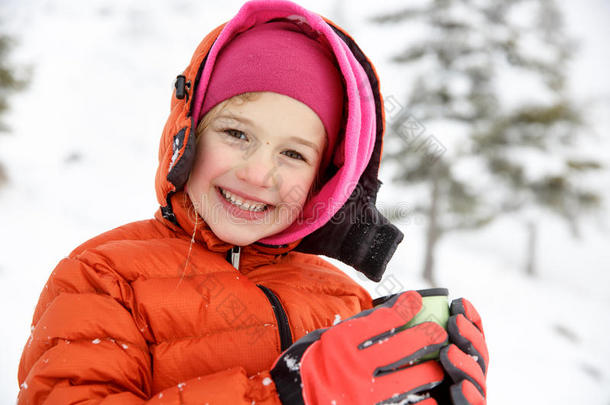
280	316
233	256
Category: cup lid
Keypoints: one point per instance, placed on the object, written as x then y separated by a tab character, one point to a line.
430	292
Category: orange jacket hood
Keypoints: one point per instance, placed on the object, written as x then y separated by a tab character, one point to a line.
348	227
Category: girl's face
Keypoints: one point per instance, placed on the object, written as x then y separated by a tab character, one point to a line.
255	165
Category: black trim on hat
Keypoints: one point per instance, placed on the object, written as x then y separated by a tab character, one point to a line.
358	234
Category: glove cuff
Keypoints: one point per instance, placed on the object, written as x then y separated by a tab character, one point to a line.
286	372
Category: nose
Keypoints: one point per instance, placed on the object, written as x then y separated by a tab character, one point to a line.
258	169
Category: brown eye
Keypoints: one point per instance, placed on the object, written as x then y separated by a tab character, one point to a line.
294	155
234	133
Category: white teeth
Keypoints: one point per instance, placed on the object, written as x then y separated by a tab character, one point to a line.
247	206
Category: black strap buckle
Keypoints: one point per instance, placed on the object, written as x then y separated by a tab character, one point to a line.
181	86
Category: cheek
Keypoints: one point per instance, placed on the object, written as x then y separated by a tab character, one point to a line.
297	189
198	178
207	167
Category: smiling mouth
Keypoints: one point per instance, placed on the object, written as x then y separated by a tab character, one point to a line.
243	204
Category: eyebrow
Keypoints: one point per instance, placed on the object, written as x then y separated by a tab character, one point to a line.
247	121
237	118
304	142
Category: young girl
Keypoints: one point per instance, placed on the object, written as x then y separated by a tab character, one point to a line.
269	157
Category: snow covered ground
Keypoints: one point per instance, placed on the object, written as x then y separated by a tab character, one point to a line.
82	157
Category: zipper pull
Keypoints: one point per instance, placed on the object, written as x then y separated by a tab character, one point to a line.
235	252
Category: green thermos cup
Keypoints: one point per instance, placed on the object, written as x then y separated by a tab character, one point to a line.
435	308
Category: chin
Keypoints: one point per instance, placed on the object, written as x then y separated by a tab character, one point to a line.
235	238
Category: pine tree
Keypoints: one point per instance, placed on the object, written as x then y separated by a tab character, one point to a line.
458	81
9	83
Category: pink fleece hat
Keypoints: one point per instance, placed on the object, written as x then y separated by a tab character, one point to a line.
278	57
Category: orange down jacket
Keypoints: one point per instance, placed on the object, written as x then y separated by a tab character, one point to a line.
156	312
142	314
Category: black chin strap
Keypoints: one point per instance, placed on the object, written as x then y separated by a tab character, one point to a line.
358	235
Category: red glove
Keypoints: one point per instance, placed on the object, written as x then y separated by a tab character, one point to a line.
466	358
365	359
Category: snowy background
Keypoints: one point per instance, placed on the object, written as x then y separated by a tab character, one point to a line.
82	155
